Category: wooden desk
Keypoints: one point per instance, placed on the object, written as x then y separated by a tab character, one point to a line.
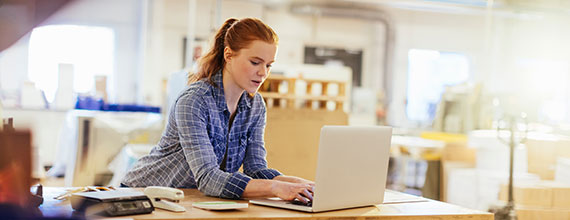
429	209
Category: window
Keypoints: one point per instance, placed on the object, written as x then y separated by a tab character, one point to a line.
89	49
429	71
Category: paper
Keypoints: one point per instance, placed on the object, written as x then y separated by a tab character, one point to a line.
220	205
392	197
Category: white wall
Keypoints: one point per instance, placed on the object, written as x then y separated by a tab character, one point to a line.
14	65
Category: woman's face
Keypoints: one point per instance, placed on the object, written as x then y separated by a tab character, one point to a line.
249	67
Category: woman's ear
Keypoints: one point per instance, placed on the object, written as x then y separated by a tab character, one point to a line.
227	54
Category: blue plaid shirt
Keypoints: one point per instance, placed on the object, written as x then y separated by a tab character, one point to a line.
194	143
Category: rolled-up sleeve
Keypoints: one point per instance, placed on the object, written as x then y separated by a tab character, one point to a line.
191	118
255	164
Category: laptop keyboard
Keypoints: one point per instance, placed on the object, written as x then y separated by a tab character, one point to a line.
297	202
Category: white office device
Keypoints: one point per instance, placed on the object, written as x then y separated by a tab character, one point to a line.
352	166
94	138
111	203
165	198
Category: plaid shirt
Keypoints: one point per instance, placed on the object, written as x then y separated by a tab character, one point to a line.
194	143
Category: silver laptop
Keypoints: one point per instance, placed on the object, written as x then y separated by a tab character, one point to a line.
352	166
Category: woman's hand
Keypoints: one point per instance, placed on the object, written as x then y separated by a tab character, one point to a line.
290	191
284	187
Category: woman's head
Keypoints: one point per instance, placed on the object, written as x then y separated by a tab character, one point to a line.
233	37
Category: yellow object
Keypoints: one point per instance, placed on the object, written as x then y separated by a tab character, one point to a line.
140	139
445	137
431	155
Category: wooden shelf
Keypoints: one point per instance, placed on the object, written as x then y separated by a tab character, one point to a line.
270	92
275	95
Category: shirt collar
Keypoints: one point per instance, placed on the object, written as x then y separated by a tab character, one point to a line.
218	91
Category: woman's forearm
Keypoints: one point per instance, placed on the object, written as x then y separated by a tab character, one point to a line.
285	178
259	188
291	179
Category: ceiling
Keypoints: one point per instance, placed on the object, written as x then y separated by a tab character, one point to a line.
555	6
18	17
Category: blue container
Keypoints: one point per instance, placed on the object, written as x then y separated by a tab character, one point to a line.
130	108
89	103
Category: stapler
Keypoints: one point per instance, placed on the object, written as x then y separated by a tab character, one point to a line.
165	198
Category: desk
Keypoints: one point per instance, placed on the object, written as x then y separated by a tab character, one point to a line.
429	209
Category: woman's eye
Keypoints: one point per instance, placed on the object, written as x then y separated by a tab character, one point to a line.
268	66
254	63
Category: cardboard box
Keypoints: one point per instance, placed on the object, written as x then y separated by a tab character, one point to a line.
545	171
543	151
292	138
560	194
529	195
544	194
561	198
458	152
524	213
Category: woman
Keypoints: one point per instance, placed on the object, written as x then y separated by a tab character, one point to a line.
217	124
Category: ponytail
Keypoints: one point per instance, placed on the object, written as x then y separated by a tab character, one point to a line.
213	61
235	34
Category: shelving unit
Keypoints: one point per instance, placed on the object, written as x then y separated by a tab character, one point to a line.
281	91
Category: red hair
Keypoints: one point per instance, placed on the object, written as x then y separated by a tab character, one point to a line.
235	34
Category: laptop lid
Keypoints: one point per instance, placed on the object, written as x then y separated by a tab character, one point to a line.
352	166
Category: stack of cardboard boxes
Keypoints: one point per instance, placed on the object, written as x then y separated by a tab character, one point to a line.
542	200
549	198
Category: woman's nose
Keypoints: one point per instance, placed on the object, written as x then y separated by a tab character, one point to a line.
262	71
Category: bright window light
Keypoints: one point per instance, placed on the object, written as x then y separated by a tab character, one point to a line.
547	82
89	49
429	71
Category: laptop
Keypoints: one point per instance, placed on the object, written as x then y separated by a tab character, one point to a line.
352	166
